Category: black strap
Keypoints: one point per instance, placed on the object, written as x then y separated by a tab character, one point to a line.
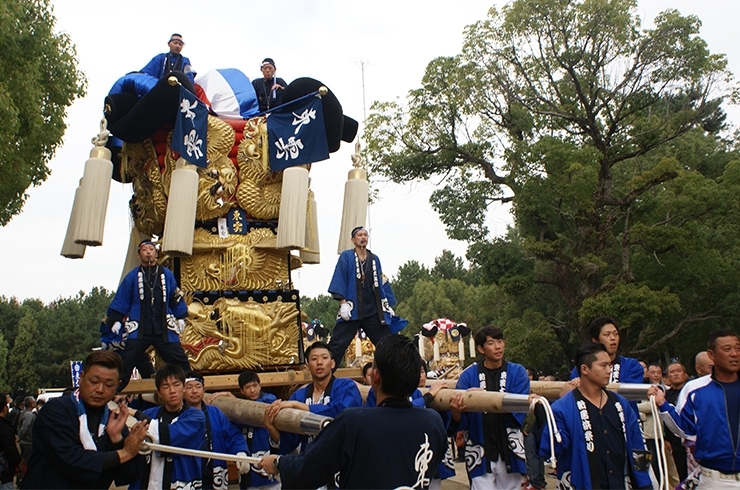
249	436
164	438
161	279
170	66
208	462
376	291
593	458
359	285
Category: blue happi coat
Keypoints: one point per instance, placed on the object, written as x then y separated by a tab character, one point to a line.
344	284
626	370
572	467
156	67
186	431
260	446
344	394
517	381
127	302
225	438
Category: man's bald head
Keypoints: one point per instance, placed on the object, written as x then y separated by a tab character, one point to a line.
703	364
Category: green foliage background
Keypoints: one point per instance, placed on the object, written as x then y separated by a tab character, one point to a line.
38	81
38	341
610	142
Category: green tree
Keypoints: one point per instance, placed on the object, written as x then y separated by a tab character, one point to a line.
324	307
605	137
406	278
73	327
23	359
449	266
39	80
4	384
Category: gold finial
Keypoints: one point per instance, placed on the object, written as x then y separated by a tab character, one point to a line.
357	162
173	81
323	90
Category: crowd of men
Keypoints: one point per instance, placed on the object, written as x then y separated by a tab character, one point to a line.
79	441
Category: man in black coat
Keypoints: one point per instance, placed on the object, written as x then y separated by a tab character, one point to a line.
269	88
79	442
390	446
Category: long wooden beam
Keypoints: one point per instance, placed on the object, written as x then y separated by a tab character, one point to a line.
252	413
230	382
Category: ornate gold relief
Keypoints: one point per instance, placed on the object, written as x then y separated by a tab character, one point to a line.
232	335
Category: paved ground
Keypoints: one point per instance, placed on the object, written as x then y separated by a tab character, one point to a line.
460	480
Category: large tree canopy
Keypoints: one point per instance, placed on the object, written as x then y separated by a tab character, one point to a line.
605	137
38	81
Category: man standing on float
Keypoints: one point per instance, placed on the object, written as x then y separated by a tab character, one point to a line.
365	297
148	310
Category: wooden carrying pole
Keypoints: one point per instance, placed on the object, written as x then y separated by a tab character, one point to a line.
482	401
252	413
551	389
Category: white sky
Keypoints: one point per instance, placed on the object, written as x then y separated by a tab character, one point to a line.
322	39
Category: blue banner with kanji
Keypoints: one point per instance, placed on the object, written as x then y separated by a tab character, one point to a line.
191	129
296	134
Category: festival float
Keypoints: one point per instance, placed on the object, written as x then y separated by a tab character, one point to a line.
225	192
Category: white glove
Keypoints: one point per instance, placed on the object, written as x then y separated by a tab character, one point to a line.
390	310
242	466
116	328
180	327
345	311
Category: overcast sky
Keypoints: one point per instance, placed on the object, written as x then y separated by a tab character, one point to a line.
323	39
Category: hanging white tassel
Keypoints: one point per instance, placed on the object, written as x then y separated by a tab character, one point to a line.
95	191
291	232
421	347
70	249
132	254
436	351
180	219
356	193
461	351
473	352
311	254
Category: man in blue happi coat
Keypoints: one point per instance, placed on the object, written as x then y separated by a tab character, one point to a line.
221	435
164	63
173	424
261	441
325	395
365	297
148	310
494	449
601	443
605	330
